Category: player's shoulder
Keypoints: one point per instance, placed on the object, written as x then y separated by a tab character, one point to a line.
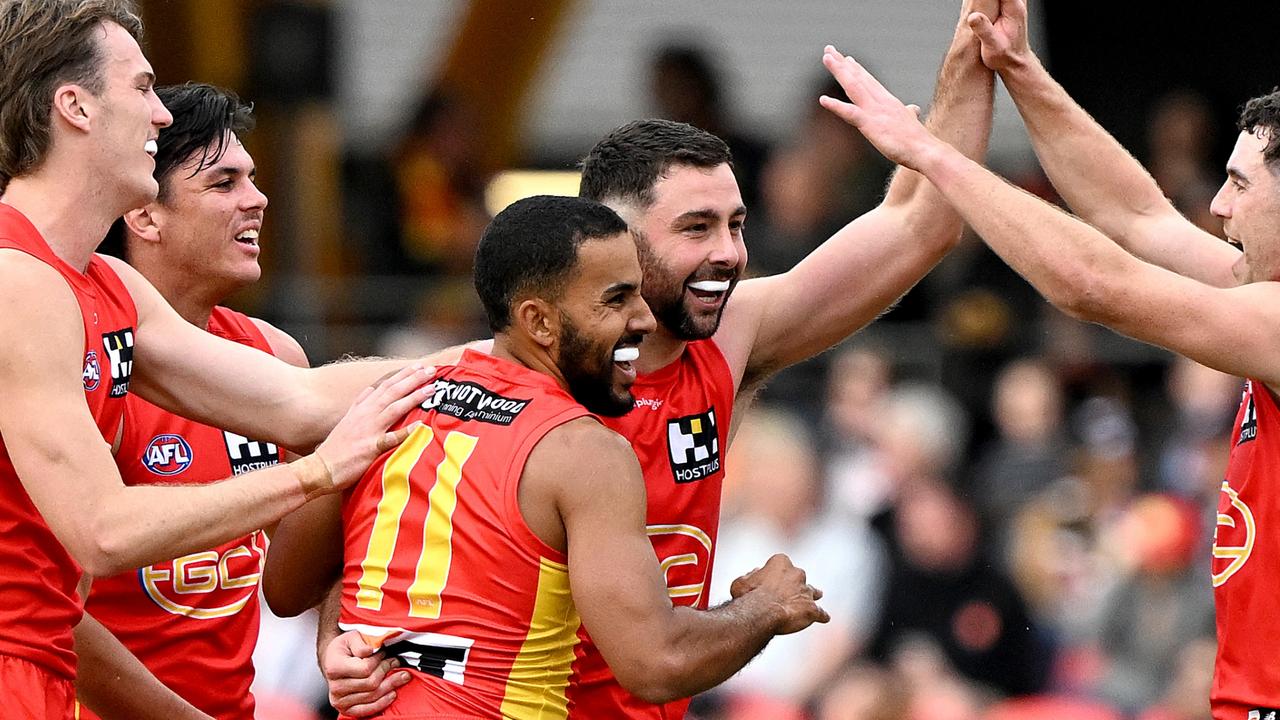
29	283
568	444
283	345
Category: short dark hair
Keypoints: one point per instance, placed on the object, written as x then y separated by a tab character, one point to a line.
629	161
1263	114
44	44
531	248
202	116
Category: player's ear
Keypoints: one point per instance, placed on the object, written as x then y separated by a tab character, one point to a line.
142	223
70	106
539	320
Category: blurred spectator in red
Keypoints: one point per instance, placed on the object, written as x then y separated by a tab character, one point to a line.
1163	604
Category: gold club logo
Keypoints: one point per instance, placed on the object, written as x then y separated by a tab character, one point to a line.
1237	555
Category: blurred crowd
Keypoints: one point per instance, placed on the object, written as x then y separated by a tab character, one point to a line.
1010	513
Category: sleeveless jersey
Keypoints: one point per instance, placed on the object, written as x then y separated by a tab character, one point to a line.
679	429
439	563
1246	564
192	621
38	576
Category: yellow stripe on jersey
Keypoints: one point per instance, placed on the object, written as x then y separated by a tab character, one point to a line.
437	534
539	676
386	525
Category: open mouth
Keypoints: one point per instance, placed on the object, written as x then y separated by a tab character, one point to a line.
624	359
248	237
710	292
1235	244
151	148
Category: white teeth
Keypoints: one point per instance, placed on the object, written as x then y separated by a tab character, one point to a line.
626	354
710	285
248	235
151	148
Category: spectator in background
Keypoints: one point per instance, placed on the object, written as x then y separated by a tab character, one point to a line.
776	504
857	390
942	588
1180	143
1162	604
812	184
687	87
440	186
1030	450
1193	458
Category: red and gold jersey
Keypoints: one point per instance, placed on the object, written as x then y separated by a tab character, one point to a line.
1246	564
679	430
193	621
439	563
37	576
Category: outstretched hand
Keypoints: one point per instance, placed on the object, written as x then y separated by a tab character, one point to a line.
894	128
364	432
1003	36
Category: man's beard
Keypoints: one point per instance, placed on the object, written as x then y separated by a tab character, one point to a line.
665	296
588	370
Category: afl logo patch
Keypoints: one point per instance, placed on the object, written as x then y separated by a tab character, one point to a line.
92	374
167	455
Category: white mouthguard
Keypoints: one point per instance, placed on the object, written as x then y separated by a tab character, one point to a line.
710	285
626	354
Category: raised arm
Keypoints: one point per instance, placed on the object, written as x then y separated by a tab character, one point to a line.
657	651
1074	266
67	469
865	267
188	371
1097	177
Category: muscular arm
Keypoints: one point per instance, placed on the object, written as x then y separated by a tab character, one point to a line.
1092	171
116	685
657	651
305	557
865	267
1074	266
188	371
67	469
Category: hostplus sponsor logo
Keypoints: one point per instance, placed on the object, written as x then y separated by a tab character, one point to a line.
469	401
1249	423
119	347
248	455
694	446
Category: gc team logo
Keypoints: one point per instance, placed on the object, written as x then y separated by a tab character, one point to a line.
92	374
684	554
1234	537
211	584
167	455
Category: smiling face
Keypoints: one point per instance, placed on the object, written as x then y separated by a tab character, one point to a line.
209	221
129	119
691	247
602	317
1249	205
